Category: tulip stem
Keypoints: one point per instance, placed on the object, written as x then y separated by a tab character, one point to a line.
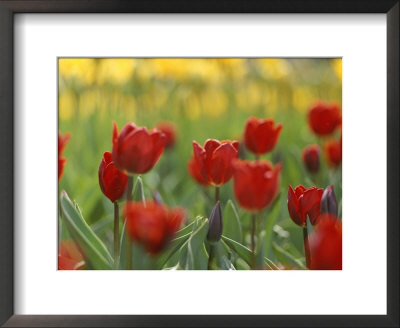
128	239
253	241
210	257
257	157
306	246
116	234
216	194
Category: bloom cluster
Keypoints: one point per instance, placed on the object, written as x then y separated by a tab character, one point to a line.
256	184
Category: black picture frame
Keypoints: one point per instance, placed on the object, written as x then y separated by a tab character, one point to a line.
7	130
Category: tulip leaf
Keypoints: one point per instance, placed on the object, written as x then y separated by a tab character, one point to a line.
232	227
138	191
185	230
271	219
93	248
192	254
245	253
220	254
172	249
260	263
286	258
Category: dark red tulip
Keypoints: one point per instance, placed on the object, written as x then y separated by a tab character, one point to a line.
261	136
329	202
302	202
112	181
214	161
195	172
169	131
255	184
62	143
326	244
310	156
333	152
152	225
137	150
69	256
324	118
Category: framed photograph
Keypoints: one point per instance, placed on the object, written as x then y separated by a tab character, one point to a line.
215	164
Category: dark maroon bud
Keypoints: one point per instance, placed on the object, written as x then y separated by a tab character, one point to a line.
215	224
328	201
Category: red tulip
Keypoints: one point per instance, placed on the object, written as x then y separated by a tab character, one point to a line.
255	184
324	118
169	131
261	136
137	150
112	181
152	225
302	202
310	156
326	244
333	152
62	143
195	172
69	256
214	161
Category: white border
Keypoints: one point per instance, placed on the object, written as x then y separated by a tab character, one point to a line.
359	289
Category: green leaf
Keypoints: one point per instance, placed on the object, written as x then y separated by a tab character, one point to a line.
245	253
271	219
240	249
172	249
220	254
286	258
193	255
260	263
138	191
232	227
95	251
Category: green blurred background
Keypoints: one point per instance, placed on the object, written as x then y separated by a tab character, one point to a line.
204	98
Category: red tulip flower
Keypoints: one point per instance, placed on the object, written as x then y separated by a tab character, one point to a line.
255	184
194	172
62	143
69	256
261	136
324	118
112	181
214	161
333	152
169	131
136	150
310	156
152	225
326	244
302	202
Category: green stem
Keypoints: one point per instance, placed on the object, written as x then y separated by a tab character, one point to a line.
210	257
116	234
306	246
253	241
216	194
128	238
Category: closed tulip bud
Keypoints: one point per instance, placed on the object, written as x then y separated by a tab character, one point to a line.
310	156
215	224
329	202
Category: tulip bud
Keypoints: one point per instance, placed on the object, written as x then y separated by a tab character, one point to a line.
328	201
310	156
215	224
